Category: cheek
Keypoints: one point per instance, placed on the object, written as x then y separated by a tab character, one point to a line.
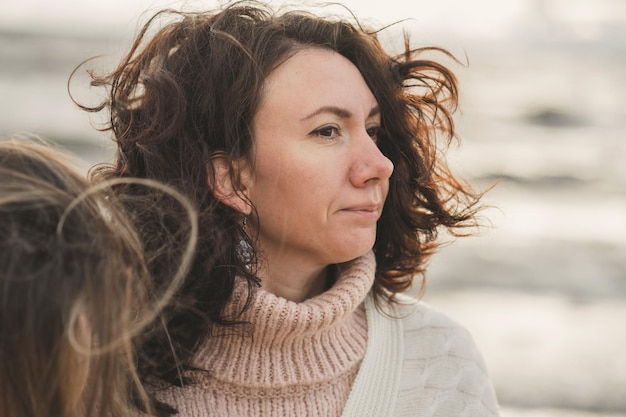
285	175
386	191
290	192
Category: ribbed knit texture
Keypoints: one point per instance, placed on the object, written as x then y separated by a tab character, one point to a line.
300	361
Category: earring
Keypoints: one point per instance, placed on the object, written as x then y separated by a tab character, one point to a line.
244	249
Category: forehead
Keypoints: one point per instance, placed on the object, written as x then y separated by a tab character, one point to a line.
315	77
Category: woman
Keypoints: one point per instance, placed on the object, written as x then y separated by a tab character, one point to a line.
315	159
73	283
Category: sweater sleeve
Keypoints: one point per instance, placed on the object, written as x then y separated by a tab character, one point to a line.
443	372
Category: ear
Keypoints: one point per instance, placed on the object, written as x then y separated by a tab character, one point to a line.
222	183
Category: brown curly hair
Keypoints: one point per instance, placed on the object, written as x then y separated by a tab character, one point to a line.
188	90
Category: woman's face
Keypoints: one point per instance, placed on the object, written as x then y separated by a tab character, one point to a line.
319	180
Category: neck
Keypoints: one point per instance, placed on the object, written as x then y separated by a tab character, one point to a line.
294	283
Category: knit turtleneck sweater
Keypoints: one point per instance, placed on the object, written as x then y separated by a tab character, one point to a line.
301	358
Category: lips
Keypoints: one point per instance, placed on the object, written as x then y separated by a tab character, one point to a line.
369	210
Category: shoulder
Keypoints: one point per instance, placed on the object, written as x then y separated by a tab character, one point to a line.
442	366
428	326
430	334
418	316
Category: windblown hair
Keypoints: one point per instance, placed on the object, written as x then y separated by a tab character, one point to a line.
188	90
74	287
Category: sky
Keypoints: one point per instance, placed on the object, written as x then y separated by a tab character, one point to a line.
476	17
571	19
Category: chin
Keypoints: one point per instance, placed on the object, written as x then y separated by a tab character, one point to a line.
353	254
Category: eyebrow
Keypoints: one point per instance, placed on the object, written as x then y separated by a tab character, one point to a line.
339	112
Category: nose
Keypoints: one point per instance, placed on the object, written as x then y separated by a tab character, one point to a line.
369	166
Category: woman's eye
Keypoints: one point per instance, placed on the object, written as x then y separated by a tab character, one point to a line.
373	132
327	132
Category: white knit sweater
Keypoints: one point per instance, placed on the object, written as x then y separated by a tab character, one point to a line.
419	363
336	354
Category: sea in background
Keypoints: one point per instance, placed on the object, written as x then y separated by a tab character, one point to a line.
543	121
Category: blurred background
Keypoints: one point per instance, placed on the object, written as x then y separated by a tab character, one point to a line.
543	290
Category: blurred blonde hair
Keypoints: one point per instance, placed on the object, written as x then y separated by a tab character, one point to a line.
75	292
